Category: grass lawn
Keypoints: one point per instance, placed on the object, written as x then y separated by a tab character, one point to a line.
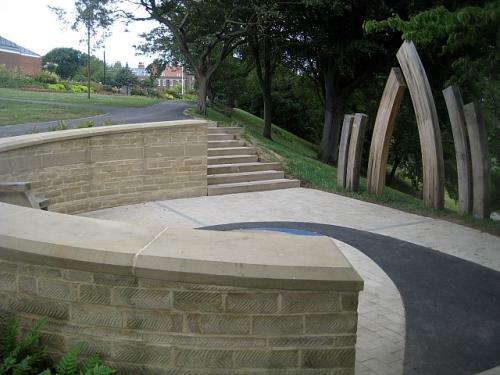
299	160
80	98
12	112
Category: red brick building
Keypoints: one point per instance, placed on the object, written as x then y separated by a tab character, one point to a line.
172	76
13	56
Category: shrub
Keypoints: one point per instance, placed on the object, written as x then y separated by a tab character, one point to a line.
107	122
56	86
26	355
85	124
168	96
79	88
47	77
61	125
14	78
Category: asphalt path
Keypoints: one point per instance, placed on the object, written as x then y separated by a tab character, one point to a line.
164	111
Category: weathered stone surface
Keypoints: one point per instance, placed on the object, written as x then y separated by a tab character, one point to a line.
95	294
203	358
331	323
302	341
218	324
252	302
197	301
266	359
142	354
321	358
56	289
310	302
154	321
8	282
141	297
277	325
96	316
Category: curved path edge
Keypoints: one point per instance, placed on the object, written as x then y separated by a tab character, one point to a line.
452	305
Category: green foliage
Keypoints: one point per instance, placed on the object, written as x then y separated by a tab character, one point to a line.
21	355
85	124
125	77
25	355
61	125
64	61
56	87
78	88
107	122
47	77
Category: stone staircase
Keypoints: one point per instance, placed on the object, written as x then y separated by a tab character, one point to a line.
233	167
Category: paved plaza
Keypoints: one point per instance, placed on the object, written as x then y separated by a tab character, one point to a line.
394	240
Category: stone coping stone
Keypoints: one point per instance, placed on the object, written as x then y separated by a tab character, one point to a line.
247	259
12	143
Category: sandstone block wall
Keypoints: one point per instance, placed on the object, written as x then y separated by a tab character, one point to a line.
146	326
88	169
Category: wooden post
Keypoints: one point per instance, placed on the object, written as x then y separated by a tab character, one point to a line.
388	110
344	150
428	125
355	151
481	178
455	105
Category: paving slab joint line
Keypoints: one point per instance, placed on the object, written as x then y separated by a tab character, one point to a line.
136	255
400	225
161	204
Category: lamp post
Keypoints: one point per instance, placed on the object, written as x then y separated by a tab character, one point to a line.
104	78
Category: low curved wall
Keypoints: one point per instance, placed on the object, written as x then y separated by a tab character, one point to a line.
153	300
82	170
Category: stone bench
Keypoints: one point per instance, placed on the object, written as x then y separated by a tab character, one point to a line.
20	193
158	300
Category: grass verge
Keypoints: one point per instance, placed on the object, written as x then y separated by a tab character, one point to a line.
79	98
12	112
299	160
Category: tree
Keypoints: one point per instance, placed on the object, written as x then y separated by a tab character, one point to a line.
329	46
66	61
95	16
201	33
125	77
264	39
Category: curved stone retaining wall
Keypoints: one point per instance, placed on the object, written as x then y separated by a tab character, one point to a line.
153	300
87	169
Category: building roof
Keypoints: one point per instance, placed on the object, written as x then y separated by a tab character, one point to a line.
8	46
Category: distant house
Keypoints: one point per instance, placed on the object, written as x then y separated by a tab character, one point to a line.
13	56
172	76
140	72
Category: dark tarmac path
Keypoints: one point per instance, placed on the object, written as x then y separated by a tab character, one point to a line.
164	111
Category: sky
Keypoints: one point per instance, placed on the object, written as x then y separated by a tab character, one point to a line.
32	25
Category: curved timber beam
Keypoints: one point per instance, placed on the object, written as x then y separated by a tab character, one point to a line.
345	139
455	106
478	140
388	109
355	151
428	125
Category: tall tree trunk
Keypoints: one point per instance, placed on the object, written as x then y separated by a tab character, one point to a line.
266	92
201	106
329	147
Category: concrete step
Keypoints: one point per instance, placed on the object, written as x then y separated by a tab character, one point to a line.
245	187
222	151
231	159
222	137
229	178
227	130
243	167
226	143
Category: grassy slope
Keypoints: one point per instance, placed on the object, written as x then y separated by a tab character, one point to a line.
299	160
72	98
12	112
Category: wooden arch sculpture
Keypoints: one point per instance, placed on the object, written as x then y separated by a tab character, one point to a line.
427	122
